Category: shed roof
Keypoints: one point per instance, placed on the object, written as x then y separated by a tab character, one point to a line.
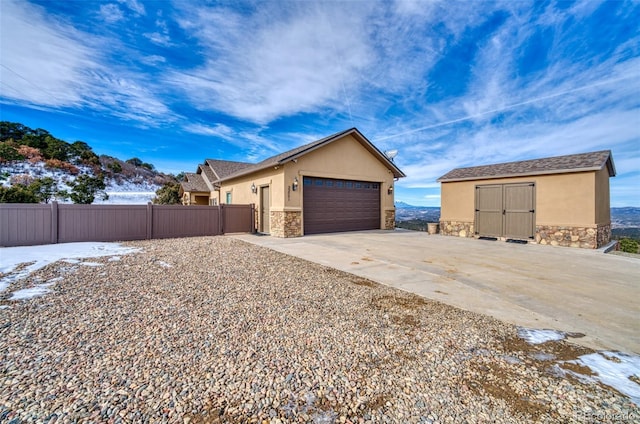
593	161
295	153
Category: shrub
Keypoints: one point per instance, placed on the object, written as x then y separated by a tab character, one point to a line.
168	194
9	152
32	154
115	167
65	166
628	245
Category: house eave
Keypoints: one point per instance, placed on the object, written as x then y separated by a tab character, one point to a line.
522	174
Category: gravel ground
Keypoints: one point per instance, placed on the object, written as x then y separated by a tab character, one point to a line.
213	330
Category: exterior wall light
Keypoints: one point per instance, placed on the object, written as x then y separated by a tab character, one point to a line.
294	186
390	190
254	189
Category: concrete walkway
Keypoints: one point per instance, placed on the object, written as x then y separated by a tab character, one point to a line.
567	289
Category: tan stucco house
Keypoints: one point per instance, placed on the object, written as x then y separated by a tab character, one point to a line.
339	183
562	201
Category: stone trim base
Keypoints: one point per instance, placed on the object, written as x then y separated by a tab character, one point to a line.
285	223
456	228
389	219
583	237
554	235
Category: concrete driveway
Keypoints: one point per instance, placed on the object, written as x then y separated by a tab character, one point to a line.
567	289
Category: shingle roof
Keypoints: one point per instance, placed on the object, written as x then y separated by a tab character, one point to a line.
223	168
194	182
292	154
593	161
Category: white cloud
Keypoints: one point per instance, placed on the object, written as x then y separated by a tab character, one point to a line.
134	5
43	64
218	130
50	64
299	62
111	13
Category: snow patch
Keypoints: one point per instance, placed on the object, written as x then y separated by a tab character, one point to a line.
614	369
535	336
31	292
39	256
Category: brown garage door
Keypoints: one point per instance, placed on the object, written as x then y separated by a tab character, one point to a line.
340	205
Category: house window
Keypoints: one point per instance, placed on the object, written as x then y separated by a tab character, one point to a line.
358	185
318	182
339	184
375	186
306	181
228	197
329	183
213	202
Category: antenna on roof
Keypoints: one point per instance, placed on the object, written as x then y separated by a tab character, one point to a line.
391	154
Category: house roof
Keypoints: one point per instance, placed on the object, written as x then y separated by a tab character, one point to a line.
593	161
194	182
219	169
297	152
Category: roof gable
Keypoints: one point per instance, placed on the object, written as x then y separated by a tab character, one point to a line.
193	183
297	152
593	161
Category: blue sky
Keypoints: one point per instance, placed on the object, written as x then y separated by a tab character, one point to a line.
448	84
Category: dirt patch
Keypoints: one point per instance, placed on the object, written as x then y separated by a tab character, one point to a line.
362	282
554	351
387	302
499	382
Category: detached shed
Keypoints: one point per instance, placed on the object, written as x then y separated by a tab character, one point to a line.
561	201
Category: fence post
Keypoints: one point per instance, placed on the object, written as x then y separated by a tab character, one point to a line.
149	220
54	222
221	219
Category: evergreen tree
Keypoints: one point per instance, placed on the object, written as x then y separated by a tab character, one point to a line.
168	194
85	188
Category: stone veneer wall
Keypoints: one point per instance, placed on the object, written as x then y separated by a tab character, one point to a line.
456	228
584	237
389	219
286	223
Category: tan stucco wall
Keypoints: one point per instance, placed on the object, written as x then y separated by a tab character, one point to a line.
603	200
195	198
342	159
561	199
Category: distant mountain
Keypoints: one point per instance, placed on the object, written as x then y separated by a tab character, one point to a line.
627	217
403	205
407	212
27	155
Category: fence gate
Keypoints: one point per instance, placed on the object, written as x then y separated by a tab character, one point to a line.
505	210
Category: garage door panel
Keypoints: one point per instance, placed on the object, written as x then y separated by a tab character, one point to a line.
339	205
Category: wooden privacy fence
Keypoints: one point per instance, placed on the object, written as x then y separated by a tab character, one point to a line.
32	224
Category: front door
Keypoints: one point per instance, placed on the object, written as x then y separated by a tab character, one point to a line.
264	209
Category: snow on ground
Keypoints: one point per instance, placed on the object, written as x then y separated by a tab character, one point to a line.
127	198
40	256
126	192
129	193
535	336
615	369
